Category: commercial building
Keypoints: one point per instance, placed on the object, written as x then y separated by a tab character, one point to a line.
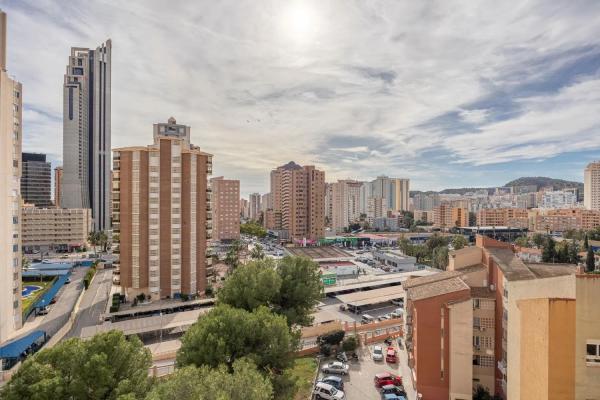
521	330
344	203
299	197
226	215
58	175
254	204
161	209
591	186
36	180
86	132
561	220
446	216
395	260
55	229
11	131
512	217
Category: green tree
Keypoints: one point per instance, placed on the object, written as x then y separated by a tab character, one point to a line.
232	258
549	251
257	252
590	260
439	257
573	257
481	393
205	383
586	243
522	241
538	239
255	284
301	289
94	239
227	334
107	367
435	241
458	242
253	228
350	343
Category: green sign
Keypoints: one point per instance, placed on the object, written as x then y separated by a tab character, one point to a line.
329	279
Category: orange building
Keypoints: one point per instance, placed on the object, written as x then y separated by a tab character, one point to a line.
446	216
511	217
560	220
160	211
226	213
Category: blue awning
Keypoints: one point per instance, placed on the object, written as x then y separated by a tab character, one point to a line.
16	348
37	273
49	295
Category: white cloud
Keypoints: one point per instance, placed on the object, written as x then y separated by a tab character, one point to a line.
264	82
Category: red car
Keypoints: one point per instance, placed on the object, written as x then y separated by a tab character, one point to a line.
385	378
390	355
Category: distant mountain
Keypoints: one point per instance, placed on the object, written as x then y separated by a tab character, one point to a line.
539	181
542	181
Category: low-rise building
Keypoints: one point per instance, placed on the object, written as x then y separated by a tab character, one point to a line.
395	260
55	229
561	220
424	216
511	217
446	216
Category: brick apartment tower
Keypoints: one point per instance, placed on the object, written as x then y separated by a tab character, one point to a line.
298	195
226	207
160	211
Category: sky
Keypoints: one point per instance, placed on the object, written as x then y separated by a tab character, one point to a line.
446	93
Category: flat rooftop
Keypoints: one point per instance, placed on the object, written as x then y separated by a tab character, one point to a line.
379	280
176	321
374	296
319	253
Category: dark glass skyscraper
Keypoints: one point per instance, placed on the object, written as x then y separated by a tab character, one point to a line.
36	180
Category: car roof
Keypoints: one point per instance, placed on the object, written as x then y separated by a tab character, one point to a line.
325	385
388	386
332	378
383	375
391	396
377	347
391	350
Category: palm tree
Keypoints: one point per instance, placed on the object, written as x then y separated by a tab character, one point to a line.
102	240
257	253
94	239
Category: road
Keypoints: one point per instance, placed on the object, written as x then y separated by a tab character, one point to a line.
93	303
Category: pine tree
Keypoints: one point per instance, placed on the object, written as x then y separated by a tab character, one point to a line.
590	263
585	243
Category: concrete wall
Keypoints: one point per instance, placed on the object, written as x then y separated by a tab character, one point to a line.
464	257
461	350
557	287
587	320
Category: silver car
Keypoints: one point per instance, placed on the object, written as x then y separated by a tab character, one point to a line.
335	367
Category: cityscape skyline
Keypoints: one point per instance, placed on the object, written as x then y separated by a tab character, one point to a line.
459	111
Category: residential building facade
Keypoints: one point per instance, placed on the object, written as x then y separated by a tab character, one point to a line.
344	203
87	132
561	220
162	213
591	186
11	131
254	203
299	198
36	180
225	202
511	217
55	229
447	216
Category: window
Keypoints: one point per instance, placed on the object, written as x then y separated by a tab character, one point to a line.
593	352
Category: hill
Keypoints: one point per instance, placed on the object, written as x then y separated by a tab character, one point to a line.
542	181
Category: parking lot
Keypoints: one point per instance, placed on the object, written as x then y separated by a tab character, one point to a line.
359	385
330	311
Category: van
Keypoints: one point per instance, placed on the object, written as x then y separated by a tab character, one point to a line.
367	319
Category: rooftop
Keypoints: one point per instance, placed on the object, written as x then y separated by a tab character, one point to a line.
438	288
414	282
482	293
319	253
516	270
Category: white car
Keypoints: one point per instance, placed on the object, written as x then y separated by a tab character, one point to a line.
326	391
377	353
335	367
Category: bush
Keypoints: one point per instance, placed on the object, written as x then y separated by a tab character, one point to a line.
350	343
87	279
210	291
185	297
114	309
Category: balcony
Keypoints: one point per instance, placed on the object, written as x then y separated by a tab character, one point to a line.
502	367
208	208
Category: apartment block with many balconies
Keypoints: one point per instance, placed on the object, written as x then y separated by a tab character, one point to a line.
161	212
225	208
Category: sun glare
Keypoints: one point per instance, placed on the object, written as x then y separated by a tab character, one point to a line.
300	22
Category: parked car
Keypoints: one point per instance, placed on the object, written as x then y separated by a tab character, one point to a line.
334	381
367	319
43	310
391	396
393	389
398	302
327	392
390	355
335	367
385	378
377	353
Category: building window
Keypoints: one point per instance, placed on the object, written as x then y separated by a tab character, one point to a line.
593	352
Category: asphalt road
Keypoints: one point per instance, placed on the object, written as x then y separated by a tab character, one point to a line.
93	303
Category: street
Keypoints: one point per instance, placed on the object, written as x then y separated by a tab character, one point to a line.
93	303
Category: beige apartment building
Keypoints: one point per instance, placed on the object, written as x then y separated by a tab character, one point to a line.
58	174
561	220
55	229
424	215
254	205
226	212
298	195
160	211
11	131
591	186
447	216
344	203
511	217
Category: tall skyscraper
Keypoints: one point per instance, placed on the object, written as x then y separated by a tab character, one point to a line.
254	204
299	197
591	186
58	174
10	197
161	210
86	132
36	180
395	191
225	210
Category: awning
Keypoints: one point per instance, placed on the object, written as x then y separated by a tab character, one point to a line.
17	347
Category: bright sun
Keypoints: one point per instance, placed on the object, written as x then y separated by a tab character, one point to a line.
300	22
